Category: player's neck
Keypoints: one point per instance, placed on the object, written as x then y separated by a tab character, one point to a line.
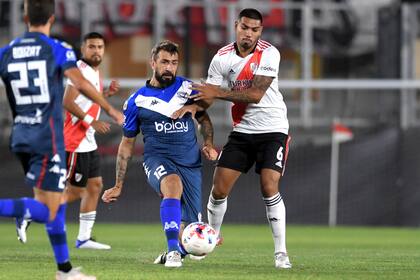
45	29
244	52
155	83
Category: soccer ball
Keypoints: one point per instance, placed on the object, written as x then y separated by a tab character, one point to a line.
199	239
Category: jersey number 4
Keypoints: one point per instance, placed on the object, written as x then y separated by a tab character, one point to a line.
40	83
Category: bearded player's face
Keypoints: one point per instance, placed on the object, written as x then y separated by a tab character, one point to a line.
93	51
165	67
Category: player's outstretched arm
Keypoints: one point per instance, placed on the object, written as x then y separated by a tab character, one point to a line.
113	88
70	95
125	151
206	130
87	89
260	84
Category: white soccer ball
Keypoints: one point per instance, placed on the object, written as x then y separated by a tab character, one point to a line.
199	239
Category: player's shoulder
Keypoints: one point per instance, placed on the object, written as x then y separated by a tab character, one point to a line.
131	100
266	47
6	47
180	80
226	50
56	43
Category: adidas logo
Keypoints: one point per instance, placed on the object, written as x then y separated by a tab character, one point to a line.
231	71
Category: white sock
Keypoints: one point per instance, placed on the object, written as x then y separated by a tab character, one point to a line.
276	216
86	224
216	209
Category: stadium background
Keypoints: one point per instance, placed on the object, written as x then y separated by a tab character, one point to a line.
352	61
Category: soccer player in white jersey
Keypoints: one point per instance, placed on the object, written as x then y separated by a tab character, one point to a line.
84	180
260	126
172	159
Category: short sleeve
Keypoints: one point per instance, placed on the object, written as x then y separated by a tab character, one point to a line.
215	73
131	123
65	56
269	63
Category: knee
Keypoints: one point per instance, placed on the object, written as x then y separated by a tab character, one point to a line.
95	187
218	193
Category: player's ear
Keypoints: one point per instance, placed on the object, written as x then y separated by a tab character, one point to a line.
26	19
152	63
51	19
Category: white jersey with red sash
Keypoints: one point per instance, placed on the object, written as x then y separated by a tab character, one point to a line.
270	114
78	135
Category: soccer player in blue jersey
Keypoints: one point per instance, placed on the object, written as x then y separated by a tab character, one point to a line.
32	69
172	159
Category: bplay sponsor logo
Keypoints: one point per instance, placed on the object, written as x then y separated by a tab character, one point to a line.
171	127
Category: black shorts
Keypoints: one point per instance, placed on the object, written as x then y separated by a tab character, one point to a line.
267	150
81	167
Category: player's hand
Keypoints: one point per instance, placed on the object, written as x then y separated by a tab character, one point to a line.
100	126
185	109
209	152
116	115
114	87
111	194
205	91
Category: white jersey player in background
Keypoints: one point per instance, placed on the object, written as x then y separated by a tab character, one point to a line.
260	126
84	181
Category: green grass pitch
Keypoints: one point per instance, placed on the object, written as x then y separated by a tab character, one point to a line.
247	253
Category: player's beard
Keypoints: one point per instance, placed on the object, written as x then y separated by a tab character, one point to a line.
165	81
94	61
247	44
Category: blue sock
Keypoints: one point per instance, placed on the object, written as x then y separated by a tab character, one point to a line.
182	250
27	208
57	233
170	216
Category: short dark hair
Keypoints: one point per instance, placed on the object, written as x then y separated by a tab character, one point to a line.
251	13
93	35
39	11
165	45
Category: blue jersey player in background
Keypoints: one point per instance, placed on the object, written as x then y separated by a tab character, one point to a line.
172	158
32	69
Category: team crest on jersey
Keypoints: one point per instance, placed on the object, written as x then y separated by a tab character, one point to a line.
253	66
78	177
70	55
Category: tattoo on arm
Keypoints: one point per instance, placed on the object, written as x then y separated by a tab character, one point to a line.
206	128
260	84
123	157
121	167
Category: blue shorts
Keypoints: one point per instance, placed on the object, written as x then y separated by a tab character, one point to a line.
44	171
157	168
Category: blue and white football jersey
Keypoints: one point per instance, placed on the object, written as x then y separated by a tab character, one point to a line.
32	69
149	110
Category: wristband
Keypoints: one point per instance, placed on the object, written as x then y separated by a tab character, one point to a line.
88	119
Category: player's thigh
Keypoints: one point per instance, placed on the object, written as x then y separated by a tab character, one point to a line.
272	152
94	166
78	169
156	169
238	153
192	194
